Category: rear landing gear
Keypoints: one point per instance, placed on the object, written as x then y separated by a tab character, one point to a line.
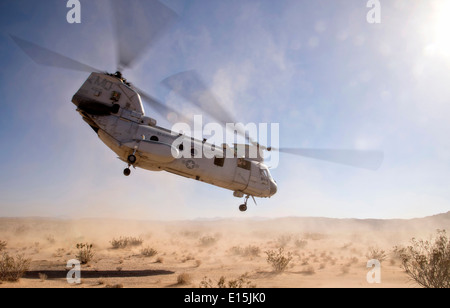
131	161
126	172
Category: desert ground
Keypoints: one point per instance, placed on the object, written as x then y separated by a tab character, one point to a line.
324	252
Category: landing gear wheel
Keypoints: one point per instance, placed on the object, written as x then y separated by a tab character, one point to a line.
131	159
243	207
127	172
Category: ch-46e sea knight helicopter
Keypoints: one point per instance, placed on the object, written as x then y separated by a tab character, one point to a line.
113	108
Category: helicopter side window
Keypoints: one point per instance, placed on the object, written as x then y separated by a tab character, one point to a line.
244	164
115	96
154	138
219	161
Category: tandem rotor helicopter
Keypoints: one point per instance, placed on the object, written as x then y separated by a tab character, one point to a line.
113	108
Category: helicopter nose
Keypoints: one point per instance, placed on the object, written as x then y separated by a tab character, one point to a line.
273	188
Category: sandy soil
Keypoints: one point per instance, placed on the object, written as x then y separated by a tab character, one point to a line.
325	252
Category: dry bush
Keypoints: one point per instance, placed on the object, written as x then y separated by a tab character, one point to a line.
85	253
241	282
127	241
160	260
114	286
184	279
278	259
59	253
249	251
50	239
3	245
300	243
314	236
13	268
189	257
208	240
345	269
346	246
427	262
376	254
148	252
190	234
283	240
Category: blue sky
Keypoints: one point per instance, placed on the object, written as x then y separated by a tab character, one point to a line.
329	78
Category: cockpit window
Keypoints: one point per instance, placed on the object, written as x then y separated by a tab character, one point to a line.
265	173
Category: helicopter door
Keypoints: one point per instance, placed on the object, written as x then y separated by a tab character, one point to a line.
242	174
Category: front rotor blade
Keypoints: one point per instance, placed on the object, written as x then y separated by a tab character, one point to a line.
361	159
138	24
44	56
167	112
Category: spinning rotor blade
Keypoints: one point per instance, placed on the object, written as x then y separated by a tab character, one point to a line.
138	24
44	56
361	159
162	109
189	85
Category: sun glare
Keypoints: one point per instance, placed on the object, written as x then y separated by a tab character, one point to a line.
441	37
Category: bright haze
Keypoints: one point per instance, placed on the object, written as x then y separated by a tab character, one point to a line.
318	68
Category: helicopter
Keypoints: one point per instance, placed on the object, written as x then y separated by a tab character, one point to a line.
114	109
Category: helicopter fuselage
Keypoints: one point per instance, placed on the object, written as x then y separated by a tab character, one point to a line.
114	111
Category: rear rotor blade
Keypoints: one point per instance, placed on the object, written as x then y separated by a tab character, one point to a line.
44	56
167	112
189	86
138	24
361	159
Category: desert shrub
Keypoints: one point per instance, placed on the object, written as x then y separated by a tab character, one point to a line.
85	253
249	251
124	242
13	268
314	236
208	240
114	286
241	282
184	278
148	252
51	239
278	259
283	240
160	260
300	243
427	262
3	245
345	269
190	234
377	254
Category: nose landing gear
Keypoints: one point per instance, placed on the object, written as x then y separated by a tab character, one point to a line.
243	207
